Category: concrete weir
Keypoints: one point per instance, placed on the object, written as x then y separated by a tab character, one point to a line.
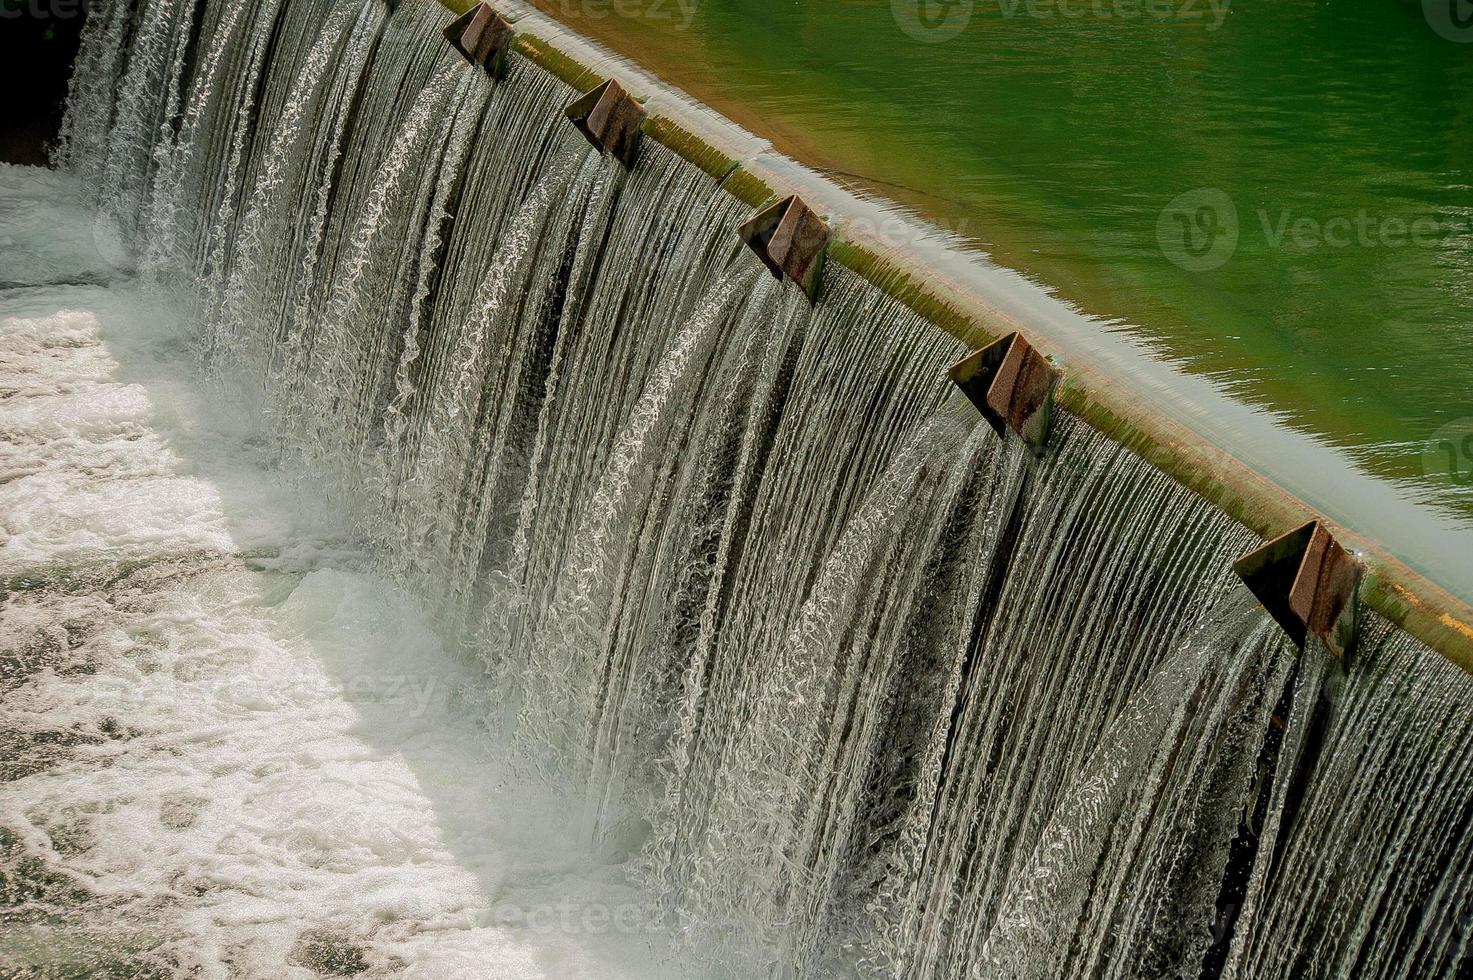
1107	400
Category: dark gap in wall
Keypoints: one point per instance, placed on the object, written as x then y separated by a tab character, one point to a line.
1243	852
38	41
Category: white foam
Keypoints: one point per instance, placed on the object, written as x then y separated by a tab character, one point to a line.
46	236
242	748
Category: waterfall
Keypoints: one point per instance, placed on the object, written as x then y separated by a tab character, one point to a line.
858	687
1370	825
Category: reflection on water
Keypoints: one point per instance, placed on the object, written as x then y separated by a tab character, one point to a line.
1280	194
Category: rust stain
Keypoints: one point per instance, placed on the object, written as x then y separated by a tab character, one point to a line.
1446	619
1457	625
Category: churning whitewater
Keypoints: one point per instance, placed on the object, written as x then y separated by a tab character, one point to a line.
432	549
230	747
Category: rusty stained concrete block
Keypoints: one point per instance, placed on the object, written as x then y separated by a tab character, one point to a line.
790	238
609	118
483	37
1307	581
1011	383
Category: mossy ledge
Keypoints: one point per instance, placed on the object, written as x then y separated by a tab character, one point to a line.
1404	596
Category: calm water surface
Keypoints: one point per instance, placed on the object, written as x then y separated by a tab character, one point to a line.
1278	194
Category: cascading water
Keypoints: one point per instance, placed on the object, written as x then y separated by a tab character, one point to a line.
1365	870
856	687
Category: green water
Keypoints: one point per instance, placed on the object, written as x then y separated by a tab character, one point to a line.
1278	194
